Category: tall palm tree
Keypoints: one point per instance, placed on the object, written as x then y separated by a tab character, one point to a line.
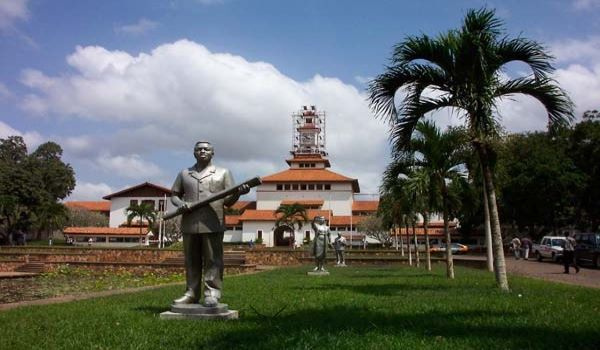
464	69
142	211
428	164
291	215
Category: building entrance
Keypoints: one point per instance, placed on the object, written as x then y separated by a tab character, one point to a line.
283	236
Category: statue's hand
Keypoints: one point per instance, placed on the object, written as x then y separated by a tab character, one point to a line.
243	189
185	206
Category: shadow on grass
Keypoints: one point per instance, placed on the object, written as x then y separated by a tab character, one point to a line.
152	310
327	327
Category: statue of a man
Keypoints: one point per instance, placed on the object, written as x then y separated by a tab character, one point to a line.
321	241
203	227
339	244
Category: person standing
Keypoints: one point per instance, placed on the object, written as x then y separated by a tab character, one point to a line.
339	244
526	245
516	246
568	257
203	228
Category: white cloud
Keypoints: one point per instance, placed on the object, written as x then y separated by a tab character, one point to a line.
85	191
32	138
585	4
5	93
130	166
181	92
12	11
142	26
577	50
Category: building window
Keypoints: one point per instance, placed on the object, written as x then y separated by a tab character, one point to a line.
303	187
133	202
307	235
319	187
259	234
149	202
327	187
286	187
161	205
279	187
301	165
311	187
295	187
312	165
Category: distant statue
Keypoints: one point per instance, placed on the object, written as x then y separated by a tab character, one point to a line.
203	227
321	241
339	244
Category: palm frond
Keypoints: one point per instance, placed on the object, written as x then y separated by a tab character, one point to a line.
527	51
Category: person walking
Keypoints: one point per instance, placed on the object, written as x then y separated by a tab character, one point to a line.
516	246
526	245
568	257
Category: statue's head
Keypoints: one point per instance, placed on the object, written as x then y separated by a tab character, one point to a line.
203	151
319	219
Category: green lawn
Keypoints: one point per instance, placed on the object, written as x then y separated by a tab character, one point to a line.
353	308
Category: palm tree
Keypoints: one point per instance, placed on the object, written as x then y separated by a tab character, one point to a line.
464	68
143	211
428	164
292	216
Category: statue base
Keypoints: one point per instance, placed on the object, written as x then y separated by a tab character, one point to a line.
317	273
199	312
340	265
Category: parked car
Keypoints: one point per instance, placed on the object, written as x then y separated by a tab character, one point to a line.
457	248
588	248
550	247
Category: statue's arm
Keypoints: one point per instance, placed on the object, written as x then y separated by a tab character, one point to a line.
227	183
177	193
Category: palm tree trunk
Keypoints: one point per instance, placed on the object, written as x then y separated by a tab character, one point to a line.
426	229
488	231
449	261
417	262
408	245
499	263
401	241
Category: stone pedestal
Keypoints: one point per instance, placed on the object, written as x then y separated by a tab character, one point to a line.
199	312
318	273
340	265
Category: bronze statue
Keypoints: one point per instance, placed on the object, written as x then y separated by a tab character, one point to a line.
203	226
321	241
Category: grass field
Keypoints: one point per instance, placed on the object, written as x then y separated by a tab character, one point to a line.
353	308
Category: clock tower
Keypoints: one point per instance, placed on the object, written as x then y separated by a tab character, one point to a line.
308	139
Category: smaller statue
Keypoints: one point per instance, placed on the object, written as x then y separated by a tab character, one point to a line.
321	241
339	244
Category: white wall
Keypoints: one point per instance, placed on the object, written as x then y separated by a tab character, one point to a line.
119	204
338	199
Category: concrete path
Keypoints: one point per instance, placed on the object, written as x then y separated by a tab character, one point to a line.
14	274
551	271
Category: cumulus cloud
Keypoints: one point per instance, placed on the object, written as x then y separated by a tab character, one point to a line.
181	92
5	93
12	11
142	26
86	191
577	50
129	166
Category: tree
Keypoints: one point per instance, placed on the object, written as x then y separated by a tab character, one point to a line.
372	226
80	217
51	216
142	211
462	69
32	184
292	216
428	164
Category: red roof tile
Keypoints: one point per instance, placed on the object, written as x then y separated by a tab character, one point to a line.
105	231
232	220
244	205
310	175
365	205
101	206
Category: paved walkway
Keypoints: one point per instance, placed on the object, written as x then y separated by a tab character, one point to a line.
551	271
14	274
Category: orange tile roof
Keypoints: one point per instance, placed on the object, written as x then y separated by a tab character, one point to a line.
232	220
269	215
365	205
310	175
101	206
105	231
345	220
303	201
244	205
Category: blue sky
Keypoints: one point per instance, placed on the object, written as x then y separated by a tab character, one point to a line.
126	87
